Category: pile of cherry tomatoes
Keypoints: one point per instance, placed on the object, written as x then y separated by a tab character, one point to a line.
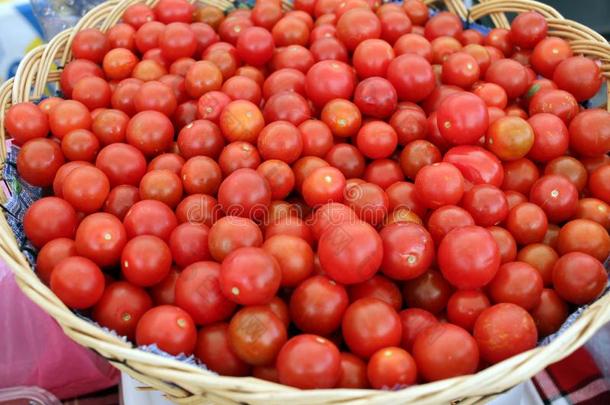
342	195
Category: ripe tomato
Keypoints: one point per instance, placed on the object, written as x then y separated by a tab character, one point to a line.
445	350
415	44
327	80
469	257
506	243
430	292
145	260
244	193
391	367
486	203
408	250
442	24
363	336
518	283
372	58
378	287
412	77
550	313
589	134
317	305
520	175
163	293
231	233
213	349
585	236
556	102
86	188
250	276
316	137
528	29
357	25
25	121
510	138
477	165
169	327
446	218
510	75
39	160
465	306
551	138
578	75
294	255
439	184
353	372
599	183
286	79
376	140
417	154
350	252
527	223
579	278
309	361
52	253
78	282
121	307
460	69
504	330
101	238
347	158
570	168
556	195
595	210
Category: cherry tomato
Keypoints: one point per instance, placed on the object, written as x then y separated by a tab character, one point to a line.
372	58
465	306
550	313
477	165
214	350
551	137
391	367
121	307
294	256
351	252
556	102
101	238
250	276
412	77
578	75
486	203
510	75
556	195
527	223
86	189
504	330
150	217
317	305
585	236
169	327
442	24
25	121
589	134
469	257
528	29
510	138
353	372
38	161
428	185
445	350
594	210
520	175
52	253
518	283
408	250
506	243
231	233
309	361
145	260
347	158
363	340
77	282
446	218
599	184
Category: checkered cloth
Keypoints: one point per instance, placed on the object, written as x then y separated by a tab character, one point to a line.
575	380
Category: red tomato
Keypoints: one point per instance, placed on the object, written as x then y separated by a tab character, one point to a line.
510	75
391	367
145	260
414	321
556	102
589	133
77	282
327	80
294	255
372	58
504	330
578	75
442	24
370	325
121	307
550	313
408	250
250	276
465	306
518	283
557	196
551	138
214	350
477	165
101	238
469	257
579	278
309	361
528	29
39	160
353	372
439	184
52	253
351	252
487	204
412	77
446	218
506	243
443	351
317	305
169	327
25	121
376	97
377	287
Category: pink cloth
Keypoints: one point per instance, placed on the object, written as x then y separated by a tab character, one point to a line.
35	351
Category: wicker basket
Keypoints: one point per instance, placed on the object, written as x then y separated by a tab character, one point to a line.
185	383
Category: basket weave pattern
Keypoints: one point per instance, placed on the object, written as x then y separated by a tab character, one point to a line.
185	383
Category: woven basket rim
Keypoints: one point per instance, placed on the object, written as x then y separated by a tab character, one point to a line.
186	383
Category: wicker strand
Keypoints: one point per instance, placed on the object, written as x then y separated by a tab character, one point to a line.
187	384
